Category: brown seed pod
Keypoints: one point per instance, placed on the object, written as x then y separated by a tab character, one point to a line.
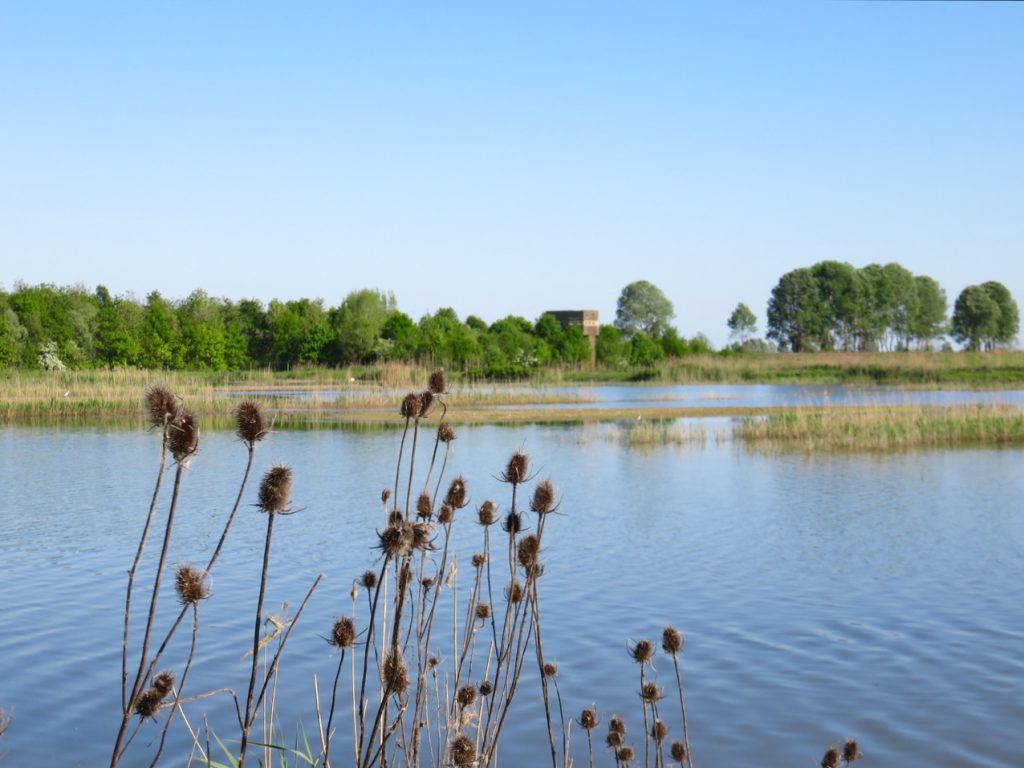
421	536
543	500
410	406
625	754
433	661
651	693
190	584
513	523
462	751
517	468
588	719
831	758
485	515
394	673
642	651
456	496
147	705
851	752
679	752
445	432
343	633
426	402
427	582
396	540
423	506
483	611
395	517
514	593
368	580
163	683
249	422
466	695
672	640
527	551
436	382
160	405
276	489
486	688
385	495
479	558
445	514
616	725
659	731
613	739
183	435
550	669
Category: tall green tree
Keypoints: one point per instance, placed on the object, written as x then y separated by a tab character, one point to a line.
928	320
642	307
840	293
358	324
742	323
161	337
796	316
975	317
1008	322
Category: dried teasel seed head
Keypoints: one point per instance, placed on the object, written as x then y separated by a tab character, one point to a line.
163	683
395	517
396	540
483	611
426	402
479	558
423	506
456	496
249	422
436	383
651	693
514	593
672	640
517	468
427	582
831	758
616	725
343	633
276	489
445	514
466	695
368	580
190	584
613	739
421	536
659	731
433	661
527	551
462	751
385	495
625	754
642	651
485	515
851	752
588	719
183	435
160	405
410	406
679	752
394	672
445	432
550	669
543	500
486	687
147	705
513	523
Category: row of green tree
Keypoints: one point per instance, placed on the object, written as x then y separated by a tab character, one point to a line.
833	305
55	327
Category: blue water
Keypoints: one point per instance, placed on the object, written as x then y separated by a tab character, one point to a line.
821	597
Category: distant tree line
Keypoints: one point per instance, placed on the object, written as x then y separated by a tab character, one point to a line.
835	306
51	327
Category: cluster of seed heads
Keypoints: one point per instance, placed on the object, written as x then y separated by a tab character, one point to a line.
147	705
276	489
849	754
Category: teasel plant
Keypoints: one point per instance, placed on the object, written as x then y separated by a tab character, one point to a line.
180	439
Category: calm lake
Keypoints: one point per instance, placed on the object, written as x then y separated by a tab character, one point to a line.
822	597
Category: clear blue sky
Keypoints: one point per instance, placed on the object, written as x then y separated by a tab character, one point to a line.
509	157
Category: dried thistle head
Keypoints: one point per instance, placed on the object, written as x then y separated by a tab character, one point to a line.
527	551
483	611
395	517
421	536
445	432
249	422
343	633
462	751
514	592
436	383
466	695
445	514
426	402
513	523
479	559
517	468
423	506
588	719
456	496
672	640
190	584
368	580
276	489
625	754
485	515
651	693
385	495
543	500
679	752
659	731
396	540
433	661
427	582
160	405
616	725
486	687
851	752
613	739
183	435
550	669
830	758
410	408
642	651
394	672
163	683
147	705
